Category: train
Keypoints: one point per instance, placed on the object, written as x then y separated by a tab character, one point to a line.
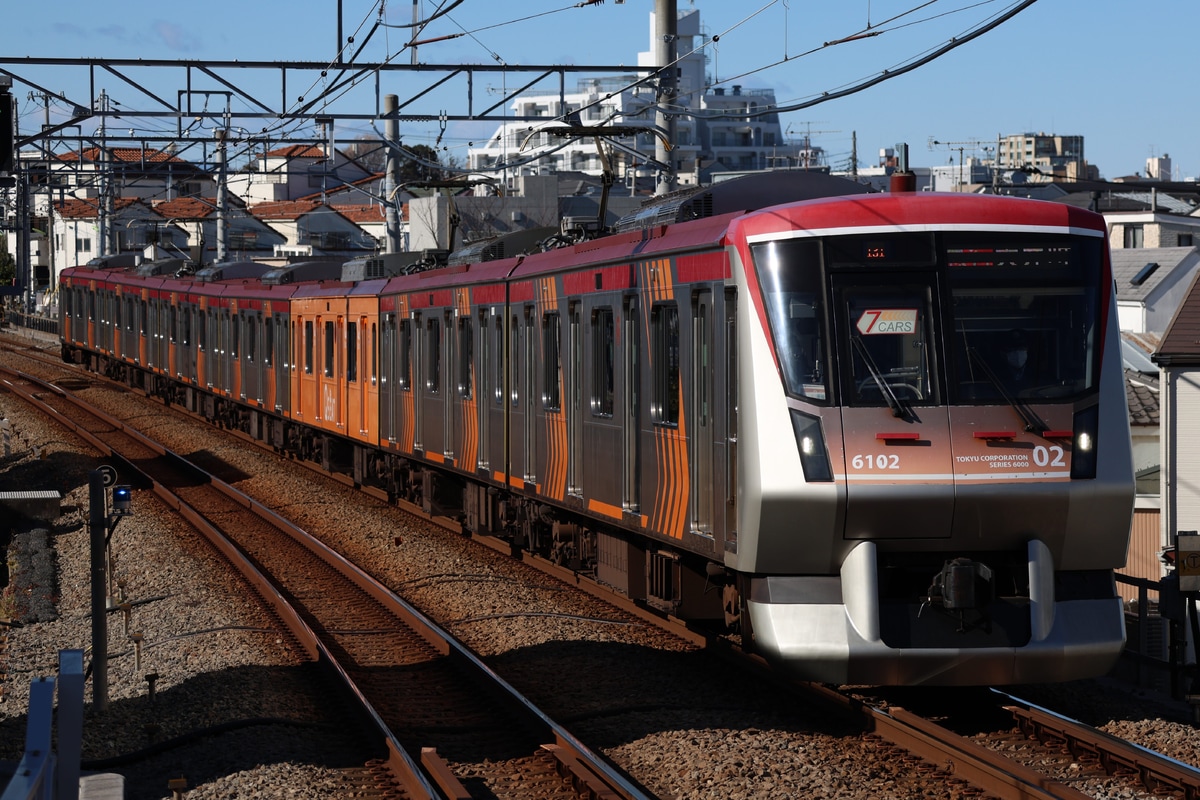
881	437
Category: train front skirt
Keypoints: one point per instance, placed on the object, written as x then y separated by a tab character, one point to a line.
831	630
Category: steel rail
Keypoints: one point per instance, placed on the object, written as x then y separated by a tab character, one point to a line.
590	774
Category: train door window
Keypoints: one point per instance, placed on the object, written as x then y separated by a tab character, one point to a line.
551	398
269	342
235	333
433	355
603	353
498	391
889	329
664	343
465	354
144	318
374	354
253	323
404	357
514	361
352	352
328	348
308	347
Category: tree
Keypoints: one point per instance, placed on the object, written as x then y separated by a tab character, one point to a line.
369	151
411	170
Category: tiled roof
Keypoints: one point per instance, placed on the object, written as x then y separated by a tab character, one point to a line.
128	155
74	208
283	209
296	151
185	208
362	214
1141	395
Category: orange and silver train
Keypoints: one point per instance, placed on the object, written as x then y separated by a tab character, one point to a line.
880	436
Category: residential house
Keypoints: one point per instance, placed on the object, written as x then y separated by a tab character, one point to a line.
1151	283
293	172
313	228
1178	357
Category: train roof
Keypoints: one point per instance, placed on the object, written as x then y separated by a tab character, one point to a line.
746	193
918	211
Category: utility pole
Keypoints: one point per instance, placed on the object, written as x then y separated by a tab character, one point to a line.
391	179
666	20
105	211
222	203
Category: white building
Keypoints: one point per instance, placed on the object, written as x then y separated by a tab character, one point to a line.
724	128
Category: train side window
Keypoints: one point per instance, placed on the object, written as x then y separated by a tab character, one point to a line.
352	352
790	275
433	355
374	354
308	347
328	328
603	347
404	354
551	340
664	343
465	354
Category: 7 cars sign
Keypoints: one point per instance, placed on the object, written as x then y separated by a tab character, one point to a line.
887	320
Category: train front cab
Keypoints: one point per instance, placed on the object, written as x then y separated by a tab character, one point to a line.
951	527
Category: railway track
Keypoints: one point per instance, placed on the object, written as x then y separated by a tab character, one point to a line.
954	758
448	722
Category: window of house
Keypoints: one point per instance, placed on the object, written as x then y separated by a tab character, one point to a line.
1134	236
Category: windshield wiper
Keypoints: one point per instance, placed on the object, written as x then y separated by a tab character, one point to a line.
898	408
1032	421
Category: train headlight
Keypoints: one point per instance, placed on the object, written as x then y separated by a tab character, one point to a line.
1083	451
814	456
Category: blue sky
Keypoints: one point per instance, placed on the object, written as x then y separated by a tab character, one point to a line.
1119	73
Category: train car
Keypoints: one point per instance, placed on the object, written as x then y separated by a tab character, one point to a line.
950	369
882	437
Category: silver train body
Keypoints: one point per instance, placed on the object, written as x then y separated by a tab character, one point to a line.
883	437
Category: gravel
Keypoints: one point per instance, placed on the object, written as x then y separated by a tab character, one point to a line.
238	714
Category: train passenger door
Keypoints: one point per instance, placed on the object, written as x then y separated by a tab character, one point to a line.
573	405
530	391
701	497
895	422
631	367
731	399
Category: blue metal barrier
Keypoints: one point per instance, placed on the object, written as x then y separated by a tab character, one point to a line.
44	774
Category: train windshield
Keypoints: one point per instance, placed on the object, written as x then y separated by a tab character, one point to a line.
1025	315
1017	316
